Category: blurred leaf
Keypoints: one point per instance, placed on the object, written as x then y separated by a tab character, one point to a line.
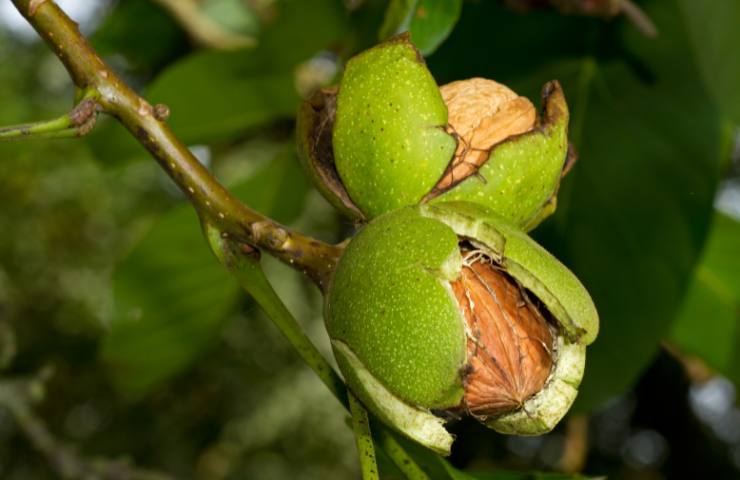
637	210
429	21
634	212
710	317
715	35
214	95
217	95
171	294
143	33
233	14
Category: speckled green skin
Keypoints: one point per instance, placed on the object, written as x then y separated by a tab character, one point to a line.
390	146
394	260
397	331
523	173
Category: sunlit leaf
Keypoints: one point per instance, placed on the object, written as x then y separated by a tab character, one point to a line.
429	21
235	15
709	323
215	95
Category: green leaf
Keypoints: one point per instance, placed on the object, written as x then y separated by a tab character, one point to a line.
234	15
715	36
709	323
171	294
214	95
634	212
171	298
637	210
217	95
430	22
143	33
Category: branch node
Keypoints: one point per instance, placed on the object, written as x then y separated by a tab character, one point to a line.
82	112
274	236
146	122
161	112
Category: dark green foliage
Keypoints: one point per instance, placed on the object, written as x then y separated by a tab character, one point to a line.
104	274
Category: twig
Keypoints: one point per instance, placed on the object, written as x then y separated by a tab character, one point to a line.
77	123
202	30
639	18
696	369
363	438
17	396
312	257
597	8
575	449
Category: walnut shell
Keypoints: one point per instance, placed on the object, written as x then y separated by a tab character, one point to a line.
481	114
509	340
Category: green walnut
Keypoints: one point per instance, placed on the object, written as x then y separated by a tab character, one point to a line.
447	307
389	137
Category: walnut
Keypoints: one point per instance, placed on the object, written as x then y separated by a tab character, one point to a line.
481	114
510	343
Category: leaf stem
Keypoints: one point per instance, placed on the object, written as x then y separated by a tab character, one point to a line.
77	123
148	125
363	438
244	265
398	455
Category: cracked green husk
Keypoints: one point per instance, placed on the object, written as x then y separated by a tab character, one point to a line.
378	142
398	333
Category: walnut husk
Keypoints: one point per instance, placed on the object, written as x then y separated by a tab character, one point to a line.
481	114
510	342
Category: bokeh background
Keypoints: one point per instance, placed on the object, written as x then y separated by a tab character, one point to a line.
122	342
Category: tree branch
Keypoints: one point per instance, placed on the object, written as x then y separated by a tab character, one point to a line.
231	227
212	201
